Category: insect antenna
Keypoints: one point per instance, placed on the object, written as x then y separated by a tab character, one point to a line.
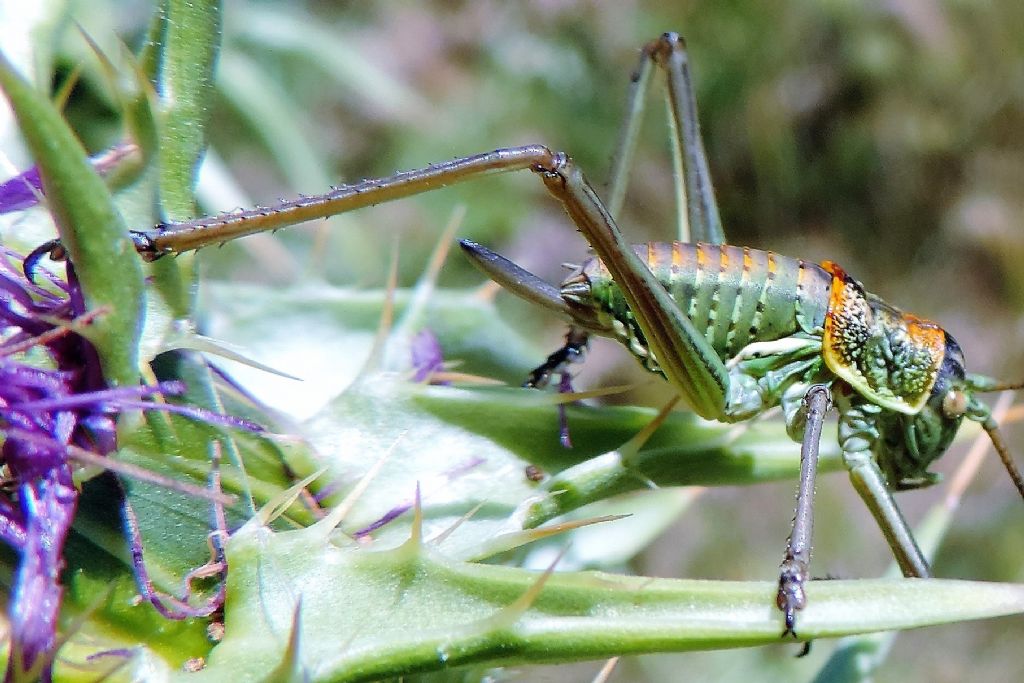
983	385
980	413
990	426
1004	386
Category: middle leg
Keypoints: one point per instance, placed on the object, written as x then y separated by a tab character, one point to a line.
794	571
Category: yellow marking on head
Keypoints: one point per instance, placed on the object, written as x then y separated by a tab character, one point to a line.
889	357
847	325
926	334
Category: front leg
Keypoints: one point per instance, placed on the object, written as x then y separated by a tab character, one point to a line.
858	436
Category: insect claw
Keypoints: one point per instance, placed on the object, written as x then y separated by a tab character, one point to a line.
789	615
791	596
143	242
54	249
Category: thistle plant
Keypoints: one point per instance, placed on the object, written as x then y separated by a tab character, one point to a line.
389	525
56	413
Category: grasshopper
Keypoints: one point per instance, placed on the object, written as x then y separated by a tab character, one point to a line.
735	330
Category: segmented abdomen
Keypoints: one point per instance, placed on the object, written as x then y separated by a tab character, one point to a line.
736	295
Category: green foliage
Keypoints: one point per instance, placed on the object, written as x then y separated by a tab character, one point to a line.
826	124
89	227
370	613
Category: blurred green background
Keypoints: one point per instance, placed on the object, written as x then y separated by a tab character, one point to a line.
886	136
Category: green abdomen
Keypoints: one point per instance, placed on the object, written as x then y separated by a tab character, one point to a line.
737	295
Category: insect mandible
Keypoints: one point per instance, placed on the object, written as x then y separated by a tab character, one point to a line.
735	330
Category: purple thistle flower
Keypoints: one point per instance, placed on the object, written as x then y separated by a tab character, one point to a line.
40	506
24	190
427	357
53	399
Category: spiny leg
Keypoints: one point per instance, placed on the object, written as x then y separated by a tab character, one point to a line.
685	357
794	571
625	147
175	238
703	221
669	52
698	217
857	432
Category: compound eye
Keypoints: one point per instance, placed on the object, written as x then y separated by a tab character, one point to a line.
954	404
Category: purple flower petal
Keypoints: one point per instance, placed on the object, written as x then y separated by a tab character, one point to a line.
24	190
21	192
49	502
427	357
59	401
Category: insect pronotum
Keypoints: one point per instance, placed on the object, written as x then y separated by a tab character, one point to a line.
735	330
